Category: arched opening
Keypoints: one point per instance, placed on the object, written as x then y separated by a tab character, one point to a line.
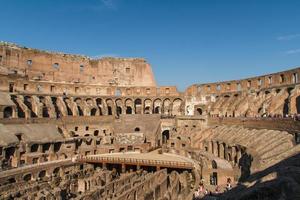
93	111
157	110
57	111
42	174
214	164
27	177
69	111
157	104
109	110
119	110
147	110
34	148
128	110
199	111
286	107
56	171
12	180
57	146
177	106
20	111
99	104
137	129
7	112
96	132
165	136
9	154
45	111
138	106
27	102
214	178
80	112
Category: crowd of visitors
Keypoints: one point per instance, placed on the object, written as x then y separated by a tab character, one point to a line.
202	192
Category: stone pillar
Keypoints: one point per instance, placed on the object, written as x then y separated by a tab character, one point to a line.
40	148
233	154
210	147
142	106
171	108
221	150
239	155
123	168
28	148
225	152
216	149
104	166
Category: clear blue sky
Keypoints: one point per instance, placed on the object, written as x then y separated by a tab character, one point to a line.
185	41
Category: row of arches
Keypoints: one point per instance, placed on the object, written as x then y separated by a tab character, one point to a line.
56	107
278	101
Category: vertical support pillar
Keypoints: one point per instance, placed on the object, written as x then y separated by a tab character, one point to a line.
157	168
123	168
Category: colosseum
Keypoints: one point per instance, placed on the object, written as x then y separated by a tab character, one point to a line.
73	127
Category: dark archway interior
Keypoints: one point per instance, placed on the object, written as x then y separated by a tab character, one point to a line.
7	112
165	136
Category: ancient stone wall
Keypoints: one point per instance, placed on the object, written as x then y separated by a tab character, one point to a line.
60	67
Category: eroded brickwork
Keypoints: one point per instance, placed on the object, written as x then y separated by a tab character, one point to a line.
61	113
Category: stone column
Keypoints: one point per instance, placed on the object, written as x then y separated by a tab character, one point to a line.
210	147
123	168
221	150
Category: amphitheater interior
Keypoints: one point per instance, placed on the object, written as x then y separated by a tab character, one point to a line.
73	127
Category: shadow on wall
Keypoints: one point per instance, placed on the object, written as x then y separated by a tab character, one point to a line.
280	181
245	166
298	104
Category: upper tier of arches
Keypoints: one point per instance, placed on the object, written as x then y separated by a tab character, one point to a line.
284	78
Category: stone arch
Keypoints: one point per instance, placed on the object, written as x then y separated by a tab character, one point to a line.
20	110
147	106
56	171
110	106
27	177
78	102
214	164
167	107
93	111
12	180
68	103
44	108
165	136
42	174
176	110
157	105
7	112
199	111
99	105
129	106
138	106
119	106
89	102
57	110
28	102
